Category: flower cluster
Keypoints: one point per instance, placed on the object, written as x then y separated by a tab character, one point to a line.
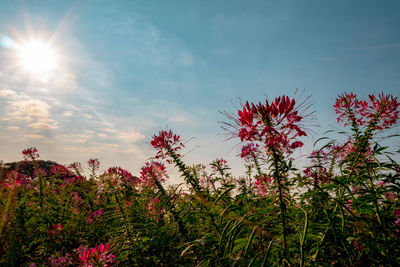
94	164
55	229
92	217
15	179
76	166
151	172
99	256
66	260
249	151
383	109
59	170
219	165
397	212
320	176
30	154
165	143
121	174
263	184
276	124
154	207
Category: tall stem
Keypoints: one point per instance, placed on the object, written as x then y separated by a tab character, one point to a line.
278	179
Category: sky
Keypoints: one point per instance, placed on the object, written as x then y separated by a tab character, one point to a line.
125	70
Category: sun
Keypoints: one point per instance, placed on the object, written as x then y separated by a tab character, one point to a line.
37	57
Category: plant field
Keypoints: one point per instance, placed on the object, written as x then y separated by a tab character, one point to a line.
343	209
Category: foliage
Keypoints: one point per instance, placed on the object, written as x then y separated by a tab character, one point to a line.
342	209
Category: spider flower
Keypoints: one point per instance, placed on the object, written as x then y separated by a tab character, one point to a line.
276	124
151	172
166	143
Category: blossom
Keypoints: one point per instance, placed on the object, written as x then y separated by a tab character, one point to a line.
263	184
320	175
92	217
154	207
66	260
56	229
397	212
76	166
387	108
276	124
15	179
30	153
99	256
166	142
94	164
76	198
59	170
379	112
249	151
219	164
345	107
152	171
121	175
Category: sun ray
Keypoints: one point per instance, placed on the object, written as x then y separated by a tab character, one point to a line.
37	57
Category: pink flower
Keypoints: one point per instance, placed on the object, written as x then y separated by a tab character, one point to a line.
152	171
92	217
276	124
94	164
249	151
76	166
76	198
154	207
66	260
99	256
59	170
121	175
15	180
263	184
30	153
56	229
166	142
349	204
397	212
319	175
219	164
381	111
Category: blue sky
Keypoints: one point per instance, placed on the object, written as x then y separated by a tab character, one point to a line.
128	69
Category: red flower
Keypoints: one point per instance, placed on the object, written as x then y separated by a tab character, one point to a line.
121	174
30	153
151	172
382	111
59	170
219	164
56	229
99	256
92	217
94	164
15	180
249	151
154	207
276	124
263	184
165	142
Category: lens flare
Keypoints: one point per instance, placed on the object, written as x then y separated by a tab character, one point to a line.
37	57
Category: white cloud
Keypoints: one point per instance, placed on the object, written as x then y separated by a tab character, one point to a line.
7	93
130	136
31	108
12	128
44	123
68	113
